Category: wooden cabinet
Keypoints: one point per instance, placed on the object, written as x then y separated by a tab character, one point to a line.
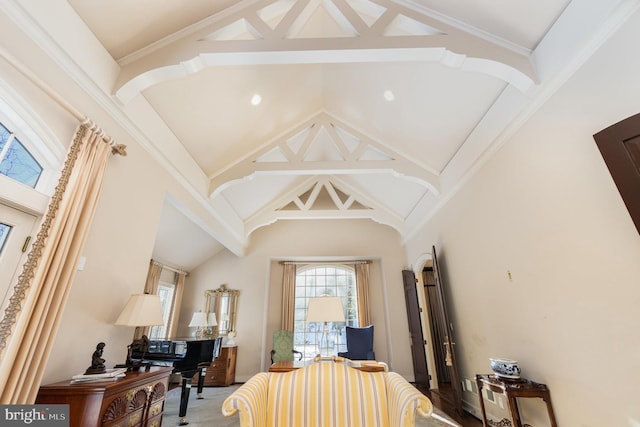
222	371
135	400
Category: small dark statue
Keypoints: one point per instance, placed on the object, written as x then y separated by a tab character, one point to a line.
97	362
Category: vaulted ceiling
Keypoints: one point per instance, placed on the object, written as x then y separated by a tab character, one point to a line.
376	109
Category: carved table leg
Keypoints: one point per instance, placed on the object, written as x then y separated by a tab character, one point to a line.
515	413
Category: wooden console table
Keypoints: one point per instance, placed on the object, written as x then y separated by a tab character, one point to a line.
364	365
512	389
135	400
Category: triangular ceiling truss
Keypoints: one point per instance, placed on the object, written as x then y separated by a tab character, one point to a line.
317	31
324	149
322	197
325	146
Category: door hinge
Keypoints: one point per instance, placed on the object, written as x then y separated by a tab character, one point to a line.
420	308
26	244
424	342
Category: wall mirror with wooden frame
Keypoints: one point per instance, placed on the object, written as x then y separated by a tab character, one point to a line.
223	302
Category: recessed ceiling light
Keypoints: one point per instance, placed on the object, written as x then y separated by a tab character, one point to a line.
256	99
388	95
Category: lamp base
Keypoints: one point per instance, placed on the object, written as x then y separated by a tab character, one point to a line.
140	346
324	341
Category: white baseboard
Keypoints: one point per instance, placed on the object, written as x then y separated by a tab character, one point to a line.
472	409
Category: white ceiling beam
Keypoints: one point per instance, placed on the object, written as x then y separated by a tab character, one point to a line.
164	66
295	163
274	212
272	217
190	50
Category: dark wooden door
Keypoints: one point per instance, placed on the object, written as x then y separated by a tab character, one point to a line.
438	330
619	145
448	345
418	354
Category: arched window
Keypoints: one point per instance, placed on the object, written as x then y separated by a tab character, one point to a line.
30	151
16	161
316	281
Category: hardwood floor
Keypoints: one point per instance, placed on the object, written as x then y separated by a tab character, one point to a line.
441	398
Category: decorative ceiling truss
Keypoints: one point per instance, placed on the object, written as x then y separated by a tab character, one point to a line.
323	197
321	31
325	146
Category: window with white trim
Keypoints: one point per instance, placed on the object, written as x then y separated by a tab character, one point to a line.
316	281
30	153
16	161
166	292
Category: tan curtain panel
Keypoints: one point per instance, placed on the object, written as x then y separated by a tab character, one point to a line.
150	287
362	285
288	296
30	323
175	308
153	278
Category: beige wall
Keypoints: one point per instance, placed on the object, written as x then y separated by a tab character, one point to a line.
122	236
546	209
259	278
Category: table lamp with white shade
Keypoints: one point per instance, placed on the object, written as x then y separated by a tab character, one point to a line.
325	309
203	322
141	310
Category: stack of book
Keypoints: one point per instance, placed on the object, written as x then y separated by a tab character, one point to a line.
109	375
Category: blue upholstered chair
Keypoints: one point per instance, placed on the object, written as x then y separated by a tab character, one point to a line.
359	344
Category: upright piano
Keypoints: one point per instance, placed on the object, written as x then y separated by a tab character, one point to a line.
188	357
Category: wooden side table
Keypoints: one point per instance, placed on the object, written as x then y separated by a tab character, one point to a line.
512	389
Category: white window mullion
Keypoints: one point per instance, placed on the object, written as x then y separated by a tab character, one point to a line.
6	147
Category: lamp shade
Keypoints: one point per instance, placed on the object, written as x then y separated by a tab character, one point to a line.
198	320
142	310
325	309
211	320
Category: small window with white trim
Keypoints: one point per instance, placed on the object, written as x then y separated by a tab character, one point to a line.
166	292
16	162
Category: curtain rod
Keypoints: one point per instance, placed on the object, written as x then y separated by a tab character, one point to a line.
325	262
166	267
84	120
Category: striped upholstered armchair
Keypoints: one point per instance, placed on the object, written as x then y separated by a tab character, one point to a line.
327	394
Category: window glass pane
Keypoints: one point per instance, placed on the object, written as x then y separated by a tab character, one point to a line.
165	292
4	233
20	165
314	282
4	136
